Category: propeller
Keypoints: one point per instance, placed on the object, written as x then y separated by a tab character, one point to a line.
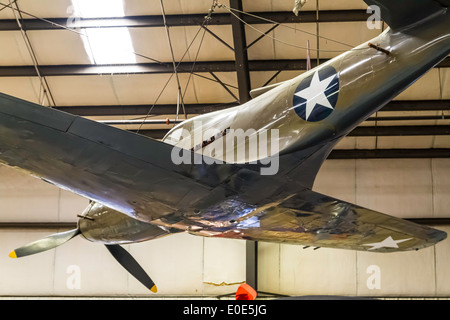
127	261
44	244
120	254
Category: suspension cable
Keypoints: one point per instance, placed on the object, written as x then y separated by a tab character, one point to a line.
205	22
43	81
173	56
233	10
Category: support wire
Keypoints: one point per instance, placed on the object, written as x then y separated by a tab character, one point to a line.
44	85
205	22
173	59
233	10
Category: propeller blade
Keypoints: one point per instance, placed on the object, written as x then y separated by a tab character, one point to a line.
45	244
132	266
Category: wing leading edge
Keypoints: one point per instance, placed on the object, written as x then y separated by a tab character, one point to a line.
312	219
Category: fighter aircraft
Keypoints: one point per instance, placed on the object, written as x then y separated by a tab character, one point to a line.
142	189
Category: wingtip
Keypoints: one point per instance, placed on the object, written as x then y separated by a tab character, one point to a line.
13	254
154	289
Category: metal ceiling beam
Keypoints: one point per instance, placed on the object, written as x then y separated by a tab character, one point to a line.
38	225
149	68
170	109
379	131
240	52
389	154
139	68
156	68
155	21
409	118
417	105
361	131
141	110
151	120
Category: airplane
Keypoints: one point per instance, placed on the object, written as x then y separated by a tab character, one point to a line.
143	189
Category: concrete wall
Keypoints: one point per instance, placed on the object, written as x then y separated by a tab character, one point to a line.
187	265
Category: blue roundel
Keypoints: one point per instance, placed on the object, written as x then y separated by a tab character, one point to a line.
317	95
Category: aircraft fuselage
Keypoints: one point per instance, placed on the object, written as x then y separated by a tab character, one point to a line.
324	104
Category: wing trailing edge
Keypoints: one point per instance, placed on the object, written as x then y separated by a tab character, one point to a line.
311	219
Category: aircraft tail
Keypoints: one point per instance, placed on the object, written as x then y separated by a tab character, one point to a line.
403	13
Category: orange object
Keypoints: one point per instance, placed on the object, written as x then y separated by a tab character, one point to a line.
245	292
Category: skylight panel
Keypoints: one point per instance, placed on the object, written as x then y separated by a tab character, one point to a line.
105	45
99	8
111	45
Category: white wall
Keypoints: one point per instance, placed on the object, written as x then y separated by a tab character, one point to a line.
187	265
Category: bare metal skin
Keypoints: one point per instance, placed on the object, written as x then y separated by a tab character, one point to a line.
368	79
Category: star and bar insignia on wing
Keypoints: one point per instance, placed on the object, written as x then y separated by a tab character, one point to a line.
389	242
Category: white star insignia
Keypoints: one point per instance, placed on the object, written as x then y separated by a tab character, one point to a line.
315	93
386	243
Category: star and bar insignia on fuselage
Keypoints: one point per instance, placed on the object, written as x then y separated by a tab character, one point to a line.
316	96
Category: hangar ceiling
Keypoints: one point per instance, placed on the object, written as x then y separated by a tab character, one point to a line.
126	62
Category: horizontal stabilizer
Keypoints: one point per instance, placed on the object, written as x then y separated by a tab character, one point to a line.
402	13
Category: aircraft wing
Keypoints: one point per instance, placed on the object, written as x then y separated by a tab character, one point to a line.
135	175
311	219
122	170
